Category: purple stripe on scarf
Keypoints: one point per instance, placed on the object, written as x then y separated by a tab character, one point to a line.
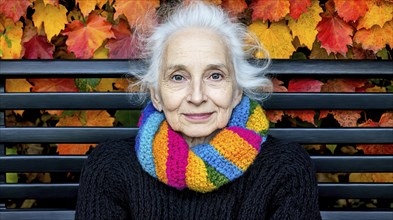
177	160
248	135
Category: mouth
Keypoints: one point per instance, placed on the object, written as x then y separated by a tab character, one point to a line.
198	116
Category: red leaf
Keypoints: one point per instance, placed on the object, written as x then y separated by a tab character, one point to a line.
14	8
334	34
343	85
351	10
304	115
234	7
369	123
346	118
386	120
274	115
278	86
83	40
298	7
124	46
269	10
53	85
323	114
376	148
304	85
38	47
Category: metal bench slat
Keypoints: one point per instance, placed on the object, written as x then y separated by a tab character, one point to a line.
99	134
70	190
100	100
117	68
53	163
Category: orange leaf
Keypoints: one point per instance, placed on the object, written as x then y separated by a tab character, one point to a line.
343	85
54	85
298	7
375	38
304	115
14	9
269	10
135	9
73	149
99	118
278	86
386	119
274	115
323	113
304	85
334	34
123	84
351	10
379	12
382	177
234	7
83	40
369	123
69	121
376	148
17	85
346	118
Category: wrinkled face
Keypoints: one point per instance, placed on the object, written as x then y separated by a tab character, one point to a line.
197	89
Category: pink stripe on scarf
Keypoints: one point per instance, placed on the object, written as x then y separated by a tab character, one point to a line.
250	136
177	160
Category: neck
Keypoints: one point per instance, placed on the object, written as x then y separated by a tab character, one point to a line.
193	141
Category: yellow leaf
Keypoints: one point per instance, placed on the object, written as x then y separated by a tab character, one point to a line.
99	118
49	17
376	89
377	14
17	85
375	38
101	53
382	177
360	177
276	38
86	6
10	38
304	26
106	84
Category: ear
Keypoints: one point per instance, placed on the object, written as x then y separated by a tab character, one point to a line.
155	99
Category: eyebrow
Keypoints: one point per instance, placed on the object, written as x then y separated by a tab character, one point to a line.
209	67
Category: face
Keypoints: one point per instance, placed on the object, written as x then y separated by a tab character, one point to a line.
197	89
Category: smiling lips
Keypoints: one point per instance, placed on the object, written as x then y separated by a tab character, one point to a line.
198	117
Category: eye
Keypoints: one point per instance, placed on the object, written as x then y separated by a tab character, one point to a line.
216	76
177	77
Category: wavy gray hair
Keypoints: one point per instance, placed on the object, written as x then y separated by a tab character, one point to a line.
241	44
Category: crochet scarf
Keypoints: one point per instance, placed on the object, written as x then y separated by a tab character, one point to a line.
165	155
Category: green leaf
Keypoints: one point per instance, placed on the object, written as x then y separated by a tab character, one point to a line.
128	118
383	54
87	84
11	177
299	56
331	147
68	113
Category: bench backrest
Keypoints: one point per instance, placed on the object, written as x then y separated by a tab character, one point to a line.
117	68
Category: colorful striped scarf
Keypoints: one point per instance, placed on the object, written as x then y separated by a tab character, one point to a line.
165	155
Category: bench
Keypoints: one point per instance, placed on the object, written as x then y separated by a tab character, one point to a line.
117	68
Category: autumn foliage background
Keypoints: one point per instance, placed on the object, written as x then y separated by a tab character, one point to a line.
289	29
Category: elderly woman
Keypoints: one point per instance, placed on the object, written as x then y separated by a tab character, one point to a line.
202	149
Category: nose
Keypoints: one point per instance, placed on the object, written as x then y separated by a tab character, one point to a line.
197	95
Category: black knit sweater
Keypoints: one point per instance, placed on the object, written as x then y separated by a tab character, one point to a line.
280	184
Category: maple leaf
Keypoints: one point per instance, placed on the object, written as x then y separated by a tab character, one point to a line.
346	118
234	7
386	119
17	85
323	113
101	53
125	45
86	6
135	9
99	118
379	12
360	177
304	115
106	85
304	26
10	38
334	34
369	123
53	85
83	40
351	10
123	85
375	38
297	7
375	89
73	149
49	17
276	38
343	85
317	52
274	115
278	86
52	2
382	177
14	9
269	10
378	149
304	85
38	47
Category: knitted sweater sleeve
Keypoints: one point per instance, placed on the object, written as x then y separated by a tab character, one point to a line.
296	195
101	192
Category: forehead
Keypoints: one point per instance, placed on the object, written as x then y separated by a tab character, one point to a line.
196	45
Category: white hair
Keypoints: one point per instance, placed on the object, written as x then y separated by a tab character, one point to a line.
241	45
